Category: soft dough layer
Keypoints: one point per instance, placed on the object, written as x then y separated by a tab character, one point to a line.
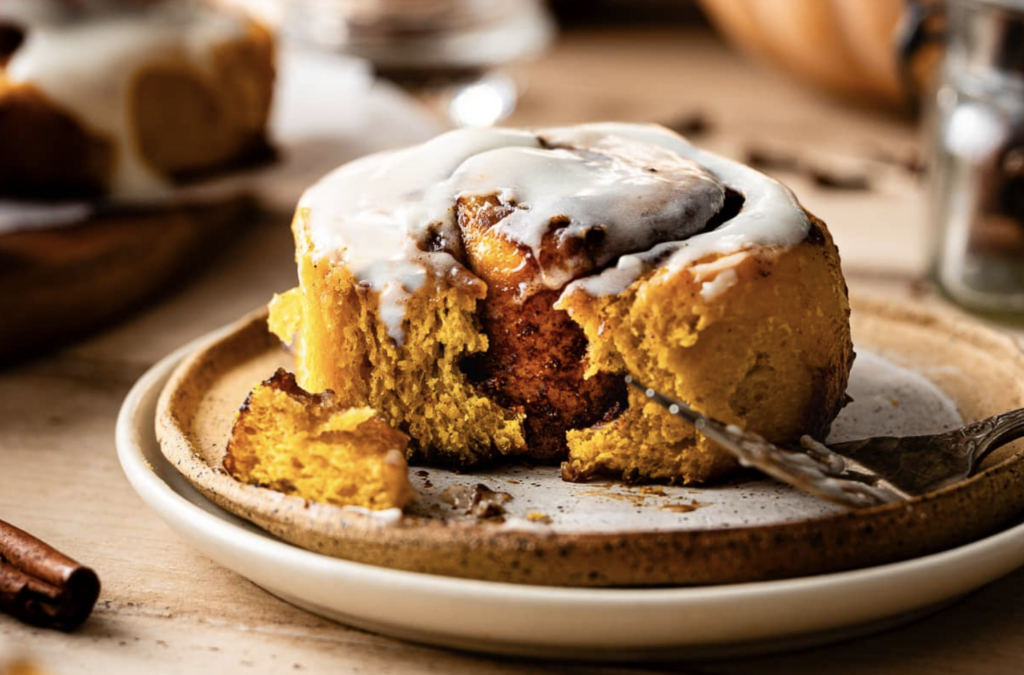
342	344
772	354
309	446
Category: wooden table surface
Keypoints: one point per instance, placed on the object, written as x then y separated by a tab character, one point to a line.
167	609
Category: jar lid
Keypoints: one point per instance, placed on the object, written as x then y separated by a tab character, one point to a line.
987	37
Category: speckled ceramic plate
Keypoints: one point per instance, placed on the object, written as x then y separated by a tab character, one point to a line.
918	371
601	623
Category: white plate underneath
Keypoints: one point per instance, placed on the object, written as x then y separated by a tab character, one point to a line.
566	623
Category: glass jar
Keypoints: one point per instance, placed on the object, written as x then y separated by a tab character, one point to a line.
977	189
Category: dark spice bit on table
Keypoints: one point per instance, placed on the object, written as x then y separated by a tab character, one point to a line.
910	161
40	585
692	124
838	181
771	160
821	175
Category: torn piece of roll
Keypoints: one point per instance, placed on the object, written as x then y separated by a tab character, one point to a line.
486	291
308	446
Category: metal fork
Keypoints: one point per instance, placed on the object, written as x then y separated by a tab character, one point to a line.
859	474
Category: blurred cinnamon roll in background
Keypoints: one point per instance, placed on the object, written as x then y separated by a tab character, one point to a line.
118	118
126	98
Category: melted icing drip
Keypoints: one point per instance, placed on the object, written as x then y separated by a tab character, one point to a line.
770	217
88	65
648	195
632	195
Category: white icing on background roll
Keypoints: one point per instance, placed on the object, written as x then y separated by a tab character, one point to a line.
649	192
88	66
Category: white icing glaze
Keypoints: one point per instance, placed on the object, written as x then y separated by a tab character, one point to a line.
635	194
719	275
770	217
87	65
648	192
725	280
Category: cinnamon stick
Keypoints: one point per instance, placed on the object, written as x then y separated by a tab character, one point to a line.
40	585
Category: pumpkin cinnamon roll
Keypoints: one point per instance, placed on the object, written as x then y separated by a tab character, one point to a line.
486	292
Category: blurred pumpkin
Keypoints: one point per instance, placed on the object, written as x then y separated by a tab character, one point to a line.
847	47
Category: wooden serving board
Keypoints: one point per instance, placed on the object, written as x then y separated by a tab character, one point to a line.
58	283
605	534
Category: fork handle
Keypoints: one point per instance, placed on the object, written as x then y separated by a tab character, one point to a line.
992	433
